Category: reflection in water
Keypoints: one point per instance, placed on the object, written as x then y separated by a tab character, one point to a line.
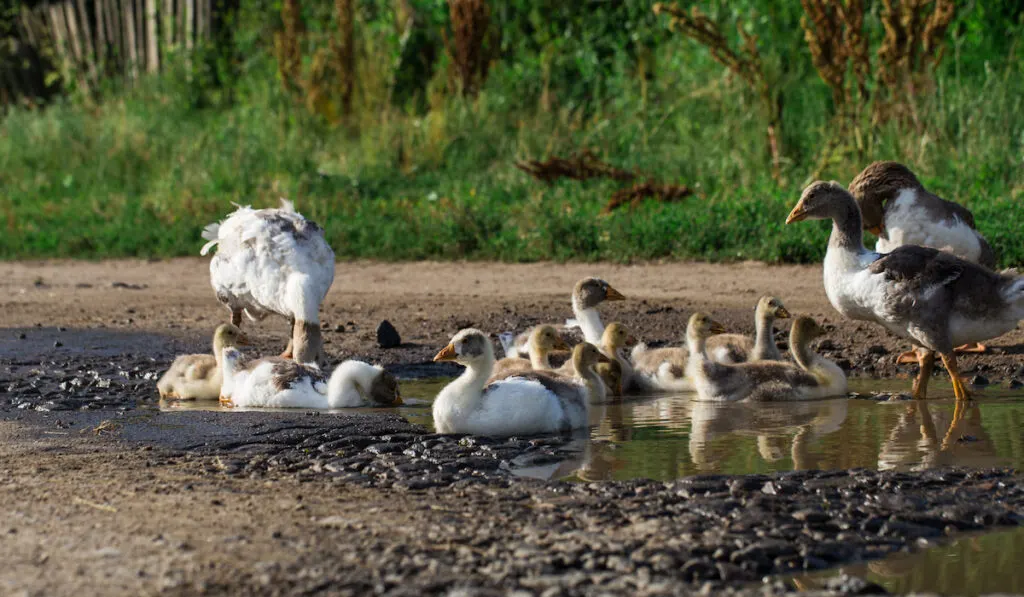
668	437
973	565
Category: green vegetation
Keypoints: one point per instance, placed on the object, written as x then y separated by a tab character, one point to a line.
410	167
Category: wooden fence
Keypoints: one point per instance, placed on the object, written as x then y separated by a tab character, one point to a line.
86	40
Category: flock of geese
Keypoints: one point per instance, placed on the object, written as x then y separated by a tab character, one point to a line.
929	281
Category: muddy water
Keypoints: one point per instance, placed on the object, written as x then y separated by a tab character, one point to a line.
972	565
669	437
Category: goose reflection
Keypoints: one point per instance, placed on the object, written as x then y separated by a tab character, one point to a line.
779	428
927	436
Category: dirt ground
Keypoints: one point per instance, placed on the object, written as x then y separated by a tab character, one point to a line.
88	514
428	302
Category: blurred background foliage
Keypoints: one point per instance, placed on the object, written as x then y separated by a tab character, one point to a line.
397	124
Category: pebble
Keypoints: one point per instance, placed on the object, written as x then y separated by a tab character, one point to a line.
387	335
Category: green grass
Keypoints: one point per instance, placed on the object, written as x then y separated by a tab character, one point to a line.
142	172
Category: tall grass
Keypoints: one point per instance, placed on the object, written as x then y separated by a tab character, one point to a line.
141	172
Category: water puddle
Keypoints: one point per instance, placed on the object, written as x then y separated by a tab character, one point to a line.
972	565
673	436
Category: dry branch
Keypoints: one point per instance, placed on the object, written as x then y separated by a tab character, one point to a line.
635	194
582	166
287	44
745	63
467	45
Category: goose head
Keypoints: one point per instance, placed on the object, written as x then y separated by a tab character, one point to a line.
227	335
470	347
702	326
771	307
591	292
384	390
876	184
547	339
586	356
617	336
821	201
804	331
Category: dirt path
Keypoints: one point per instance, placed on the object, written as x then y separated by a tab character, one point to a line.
89	511
428	302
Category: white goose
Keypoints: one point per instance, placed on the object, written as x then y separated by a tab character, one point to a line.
273	261
898	209
282	383
530	403
929	296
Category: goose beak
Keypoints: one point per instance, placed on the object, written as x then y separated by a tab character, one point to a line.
560	345
447	354
877	230
717	328
782	313
631	341
243	340
798	214
613	295
601	358
398	399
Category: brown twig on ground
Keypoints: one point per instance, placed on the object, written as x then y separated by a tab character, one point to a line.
582	166
635	194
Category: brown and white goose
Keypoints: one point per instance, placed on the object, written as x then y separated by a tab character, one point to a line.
926	295
737	348
900	211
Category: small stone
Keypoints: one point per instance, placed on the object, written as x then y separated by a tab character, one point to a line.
58	344
979	380
878	349
826	344
22	336
339	328
387	335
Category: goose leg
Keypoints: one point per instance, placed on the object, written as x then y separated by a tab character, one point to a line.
911	356
926	361
972	347
289	350
959	387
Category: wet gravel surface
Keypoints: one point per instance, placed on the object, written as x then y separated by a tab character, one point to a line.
489	531
473	527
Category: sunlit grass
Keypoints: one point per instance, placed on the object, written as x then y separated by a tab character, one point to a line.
141	174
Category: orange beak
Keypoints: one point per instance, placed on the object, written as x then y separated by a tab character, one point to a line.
447	354
782	313
613	295
797	214
243	340
877	230
398	399
717	328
